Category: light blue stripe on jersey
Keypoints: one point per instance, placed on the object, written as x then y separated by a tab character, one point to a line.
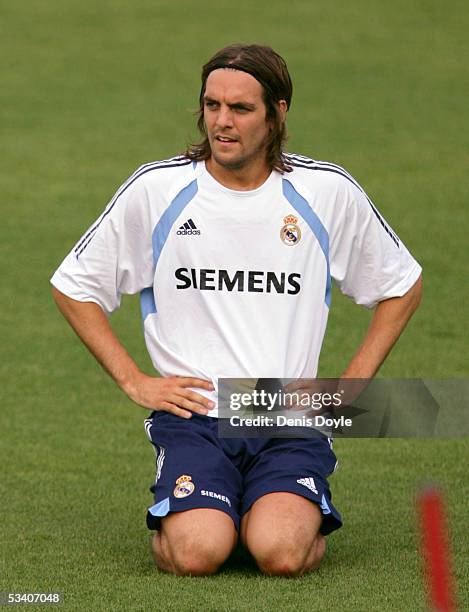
164	225
147	302
307	213
159	237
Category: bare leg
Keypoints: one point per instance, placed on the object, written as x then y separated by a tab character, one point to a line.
281	531
194	543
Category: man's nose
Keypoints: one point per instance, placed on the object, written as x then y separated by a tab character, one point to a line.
225	117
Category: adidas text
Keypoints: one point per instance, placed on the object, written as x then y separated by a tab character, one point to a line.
185	232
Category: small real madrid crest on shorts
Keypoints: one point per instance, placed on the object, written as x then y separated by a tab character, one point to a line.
290	234
184	486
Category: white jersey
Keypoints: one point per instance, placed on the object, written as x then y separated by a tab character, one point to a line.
237	284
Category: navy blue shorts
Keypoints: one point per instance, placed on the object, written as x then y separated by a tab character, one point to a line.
195	468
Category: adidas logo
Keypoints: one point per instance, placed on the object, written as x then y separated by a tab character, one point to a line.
308	483
188	228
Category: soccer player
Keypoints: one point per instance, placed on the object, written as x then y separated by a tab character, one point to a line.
232	247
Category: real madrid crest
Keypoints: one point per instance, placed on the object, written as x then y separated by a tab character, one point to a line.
290	234
184	486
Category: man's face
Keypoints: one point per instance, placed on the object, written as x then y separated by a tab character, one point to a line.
235	118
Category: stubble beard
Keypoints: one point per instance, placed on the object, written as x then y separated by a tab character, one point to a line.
241	161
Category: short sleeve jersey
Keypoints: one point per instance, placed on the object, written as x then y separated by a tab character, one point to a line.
237	283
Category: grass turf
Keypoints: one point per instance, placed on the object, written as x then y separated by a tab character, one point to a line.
92	90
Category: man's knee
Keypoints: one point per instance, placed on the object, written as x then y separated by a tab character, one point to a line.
281	533
189	547
194	559
280	558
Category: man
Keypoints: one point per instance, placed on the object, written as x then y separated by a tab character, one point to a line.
232	247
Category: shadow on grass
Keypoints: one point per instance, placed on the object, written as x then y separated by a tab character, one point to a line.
240	560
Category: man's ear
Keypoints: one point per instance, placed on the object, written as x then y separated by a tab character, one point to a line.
283	108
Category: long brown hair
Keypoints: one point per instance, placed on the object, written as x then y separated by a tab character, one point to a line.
267	67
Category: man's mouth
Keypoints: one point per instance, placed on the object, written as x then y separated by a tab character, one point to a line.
225	139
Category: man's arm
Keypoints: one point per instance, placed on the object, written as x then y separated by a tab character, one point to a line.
389	320
169	394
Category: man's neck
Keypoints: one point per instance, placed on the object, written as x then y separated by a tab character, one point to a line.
239	179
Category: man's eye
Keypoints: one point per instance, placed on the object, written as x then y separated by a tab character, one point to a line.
210	104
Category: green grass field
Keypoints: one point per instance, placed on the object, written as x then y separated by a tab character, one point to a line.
90	90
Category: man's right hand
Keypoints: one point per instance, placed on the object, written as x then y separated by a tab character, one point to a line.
170	394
